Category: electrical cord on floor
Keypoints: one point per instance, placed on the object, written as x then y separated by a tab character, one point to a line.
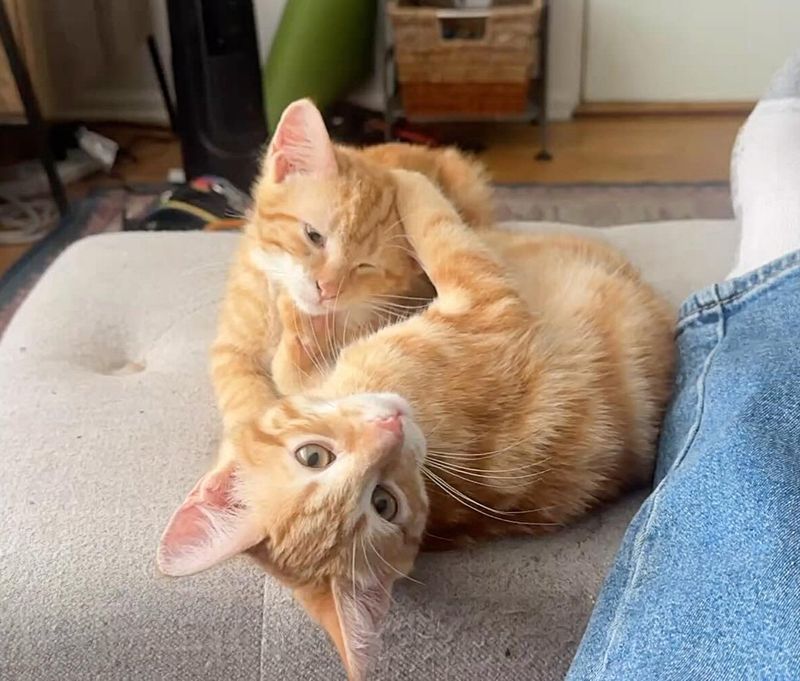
25	221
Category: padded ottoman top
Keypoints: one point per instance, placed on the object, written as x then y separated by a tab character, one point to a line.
107	419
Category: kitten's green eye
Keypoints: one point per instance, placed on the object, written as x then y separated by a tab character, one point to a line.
384	503
365	267
313	235
314	456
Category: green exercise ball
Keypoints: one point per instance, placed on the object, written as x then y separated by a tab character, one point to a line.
321	48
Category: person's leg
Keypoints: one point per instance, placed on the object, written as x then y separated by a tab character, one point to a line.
706	584
765	173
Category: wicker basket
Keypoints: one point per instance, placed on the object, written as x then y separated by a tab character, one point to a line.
468	62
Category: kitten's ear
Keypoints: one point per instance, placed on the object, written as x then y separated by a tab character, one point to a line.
208	527
352	616
300	144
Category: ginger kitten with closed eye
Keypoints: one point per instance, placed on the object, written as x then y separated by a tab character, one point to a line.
530	391
323	259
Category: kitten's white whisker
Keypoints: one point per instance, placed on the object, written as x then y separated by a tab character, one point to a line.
465	469
436	536
500	481
334	351
403	297
388	564
384	318
480	455
310	355
344	329
478	507
408	251
353	569
403	309
374	574
386	315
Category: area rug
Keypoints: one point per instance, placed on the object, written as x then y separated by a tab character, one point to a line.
103	211
603	205
594	205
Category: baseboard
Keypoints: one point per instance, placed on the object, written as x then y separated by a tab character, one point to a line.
146	106
123	105
560	108
662	108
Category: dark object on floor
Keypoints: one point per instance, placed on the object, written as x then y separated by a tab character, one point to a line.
351	124
220	108
207	202
357	126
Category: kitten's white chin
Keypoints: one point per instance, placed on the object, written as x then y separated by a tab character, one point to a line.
285	271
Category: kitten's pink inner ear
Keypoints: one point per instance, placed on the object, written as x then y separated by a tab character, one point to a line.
301	144
208	527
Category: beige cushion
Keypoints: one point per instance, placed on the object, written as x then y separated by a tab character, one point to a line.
107	419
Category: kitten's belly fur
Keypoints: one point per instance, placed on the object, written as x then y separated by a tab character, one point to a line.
580	429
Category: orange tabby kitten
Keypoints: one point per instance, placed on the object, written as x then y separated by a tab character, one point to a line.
512	404
323	258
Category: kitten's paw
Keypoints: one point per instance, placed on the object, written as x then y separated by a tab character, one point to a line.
314	332
291	318
296	365
416	194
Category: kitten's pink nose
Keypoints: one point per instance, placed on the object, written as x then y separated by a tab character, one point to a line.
393	424
327	289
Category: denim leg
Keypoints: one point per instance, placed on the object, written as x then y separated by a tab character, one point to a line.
706	584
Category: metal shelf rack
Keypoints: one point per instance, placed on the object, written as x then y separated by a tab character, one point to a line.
535	113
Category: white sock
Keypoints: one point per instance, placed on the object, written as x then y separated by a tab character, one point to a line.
766	171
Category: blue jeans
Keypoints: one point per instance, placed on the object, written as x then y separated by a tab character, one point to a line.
706	584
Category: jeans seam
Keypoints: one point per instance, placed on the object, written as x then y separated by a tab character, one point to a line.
757	282
639	540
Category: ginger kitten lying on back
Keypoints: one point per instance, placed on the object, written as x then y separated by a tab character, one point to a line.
529	391
324	258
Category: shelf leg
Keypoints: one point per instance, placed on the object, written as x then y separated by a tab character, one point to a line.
32	111
541	85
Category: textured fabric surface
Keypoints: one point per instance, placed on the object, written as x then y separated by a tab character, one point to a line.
102	211
603	205
107	419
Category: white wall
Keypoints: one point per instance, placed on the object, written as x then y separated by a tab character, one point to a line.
686	50
130	91
268	16
565	58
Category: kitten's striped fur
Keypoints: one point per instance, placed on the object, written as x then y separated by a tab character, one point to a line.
529	391
266	345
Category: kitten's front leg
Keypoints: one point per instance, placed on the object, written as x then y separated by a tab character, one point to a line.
304	352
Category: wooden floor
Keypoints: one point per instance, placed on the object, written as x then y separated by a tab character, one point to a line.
617	149
652	148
